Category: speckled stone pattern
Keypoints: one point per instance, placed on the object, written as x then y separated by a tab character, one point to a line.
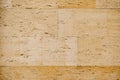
59	39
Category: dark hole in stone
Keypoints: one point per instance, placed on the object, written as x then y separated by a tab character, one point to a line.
21	54
46	32
28	8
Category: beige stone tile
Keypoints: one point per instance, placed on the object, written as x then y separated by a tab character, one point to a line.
28	73
28	22
88	73
113	17
5	4
76	3
102	51
93	51
113	35
86	3
67	4
107	3
38	51
60	73
80	22
34	4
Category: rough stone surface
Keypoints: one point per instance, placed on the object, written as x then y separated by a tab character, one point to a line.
59	39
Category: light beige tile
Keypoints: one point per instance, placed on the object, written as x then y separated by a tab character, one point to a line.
76	3
34	4
38	51
107	3
113	26
5	4
80	22
91	28
113	17
113	34
102	51
93	51
28	22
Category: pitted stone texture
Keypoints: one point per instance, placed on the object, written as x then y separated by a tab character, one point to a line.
88	73
28	73
28	22
32	4
97	32
38	51
113	29
80	22
107	3
5	4
59	73
76	3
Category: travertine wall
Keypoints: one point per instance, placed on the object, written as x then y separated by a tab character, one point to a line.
59	39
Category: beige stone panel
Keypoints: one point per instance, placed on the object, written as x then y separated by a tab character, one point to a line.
102	51
80	22
71	55
88	73
5	4
113	34
67	4
113	28
113	18
30	4
93	51
60	73
28	22
38	51
76	3
86	3
107	3
28	73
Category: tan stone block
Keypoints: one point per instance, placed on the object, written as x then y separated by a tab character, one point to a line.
88	73
86	3
38	51
28	4
107	3
28	73
5	4
28	22
60	73
76	3
80	22
67	4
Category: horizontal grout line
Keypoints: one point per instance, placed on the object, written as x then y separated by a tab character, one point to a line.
41	36
60	66
58	8
88	8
